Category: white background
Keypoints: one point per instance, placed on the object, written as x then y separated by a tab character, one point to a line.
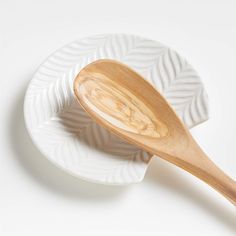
38	199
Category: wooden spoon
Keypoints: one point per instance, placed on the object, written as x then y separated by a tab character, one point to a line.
123	102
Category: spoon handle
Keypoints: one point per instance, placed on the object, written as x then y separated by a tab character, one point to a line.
196	162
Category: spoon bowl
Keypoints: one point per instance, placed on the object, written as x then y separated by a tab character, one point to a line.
123	102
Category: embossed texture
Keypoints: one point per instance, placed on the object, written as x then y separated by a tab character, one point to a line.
68	137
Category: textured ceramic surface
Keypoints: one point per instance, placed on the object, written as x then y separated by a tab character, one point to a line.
65	134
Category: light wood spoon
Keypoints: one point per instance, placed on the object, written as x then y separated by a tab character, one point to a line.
123	102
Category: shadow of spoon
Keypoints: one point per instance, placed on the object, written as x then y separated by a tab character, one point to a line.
162	175
43	171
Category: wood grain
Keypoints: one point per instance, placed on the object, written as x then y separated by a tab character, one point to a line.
120	106
123	102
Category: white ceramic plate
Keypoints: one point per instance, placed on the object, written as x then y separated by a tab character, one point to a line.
65	134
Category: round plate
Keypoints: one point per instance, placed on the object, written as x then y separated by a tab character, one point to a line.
65	134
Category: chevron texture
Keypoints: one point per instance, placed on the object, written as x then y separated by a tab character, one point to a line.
70	139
